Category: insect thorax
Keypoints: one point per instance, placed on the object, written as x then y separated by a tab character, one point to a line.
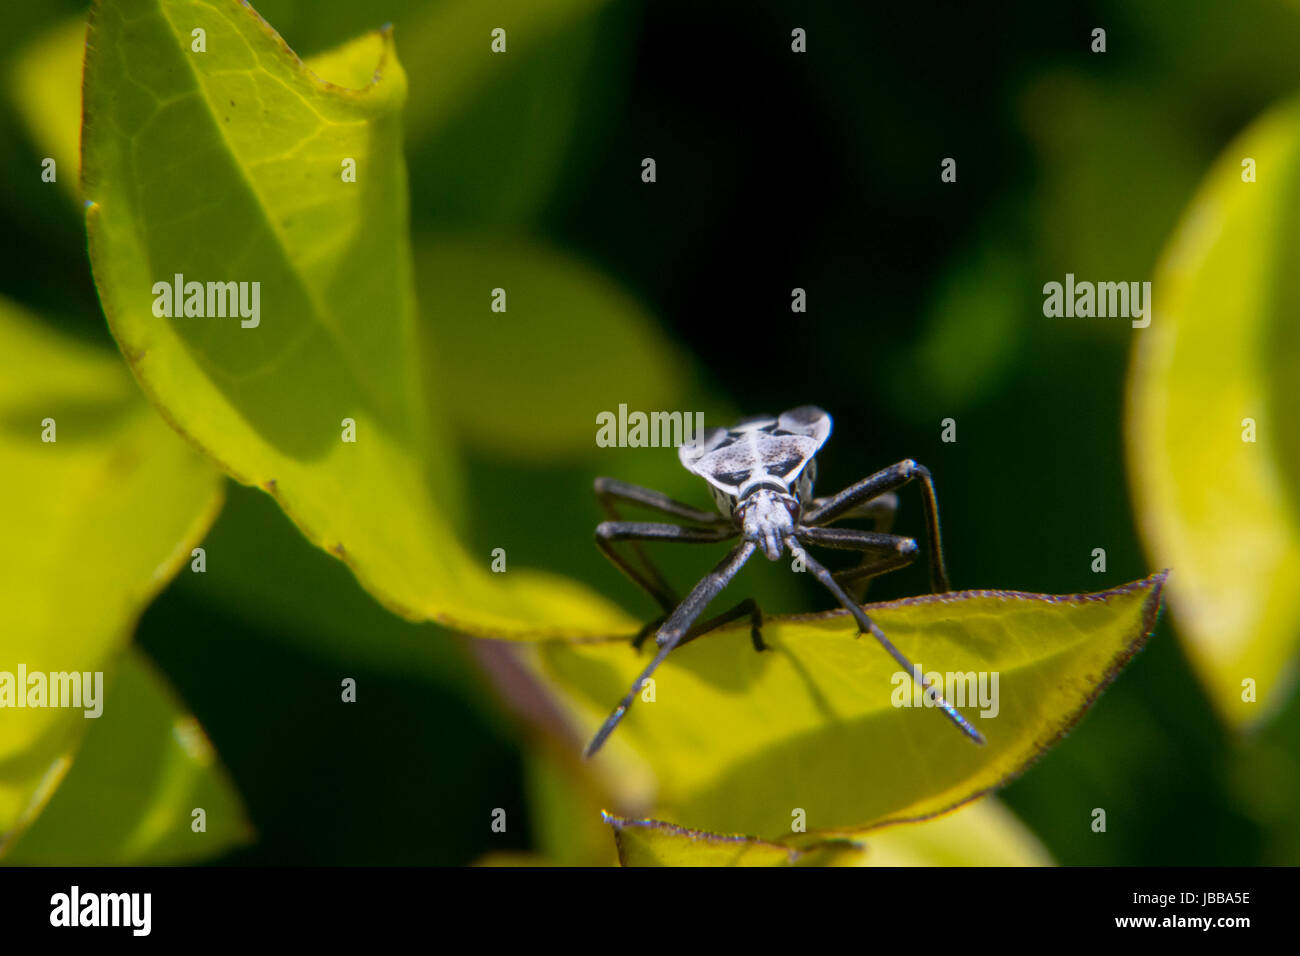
802	492
761	452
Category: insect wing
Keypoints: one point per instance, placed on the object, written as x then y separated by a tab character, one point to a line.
757	447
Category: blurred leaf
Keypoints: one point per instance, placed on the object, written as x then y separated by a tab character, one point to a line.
488	133
564	811
529	382
463	67
145	766
655	843
971	337
982	833
738	741
237	178
95	524
1218	62
27	203
1083	128
1223	347
45	86
260	568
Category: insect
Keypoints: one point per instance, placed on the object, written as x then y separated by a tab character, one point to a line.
761	472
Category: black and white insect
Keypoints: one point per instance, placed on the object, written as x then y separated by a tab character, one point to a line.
761	472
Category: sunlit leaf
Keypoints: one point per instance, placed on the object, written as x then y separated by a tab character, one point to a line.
982	833
475	111
825	729
655	843
1223	348
129	799
95	523
226	165
489	133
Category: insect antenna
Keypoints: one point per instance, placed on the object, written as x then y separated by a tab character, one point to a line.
675	628
869	627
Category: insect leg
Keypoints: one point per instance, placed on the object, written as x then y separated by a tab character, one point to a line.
611	491
881	553
607	532
867	626
675	628
747	608
875	485
880	510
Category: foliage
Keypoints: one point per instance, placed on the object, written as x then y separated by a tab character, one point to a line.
227	165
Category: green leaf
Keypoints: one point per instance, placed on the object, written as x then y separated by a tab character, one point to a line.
129	799
225	166
488	133
448	43
655	843
981	833
489	368
738	741
1223	347
96	523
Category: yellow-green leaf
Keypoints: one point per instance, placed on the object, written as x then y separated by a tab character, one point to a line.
130	798
95	523
982	833
825	725
227	166
655	843
1214	423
